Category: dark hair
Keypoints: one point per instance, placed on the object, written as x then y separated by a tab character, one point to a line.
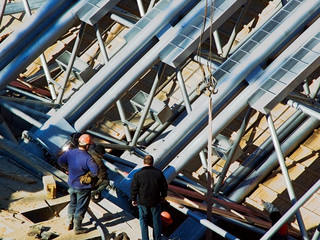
100	149
74	137
275	216
148	159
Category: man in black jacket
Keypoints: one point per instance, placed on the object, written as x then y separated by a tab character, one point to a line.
148	189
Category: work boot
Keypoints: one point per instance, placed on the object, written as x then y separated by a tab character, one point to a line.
69	224
78	229
81	231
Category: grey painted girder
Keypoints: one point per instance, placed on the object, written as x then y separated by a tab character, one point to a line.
187	41
285	79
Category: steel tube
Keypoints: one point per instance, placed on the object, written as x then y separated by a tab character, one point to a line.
129	78
147	106
313	112
101	44
123	120
285	174
291	211
259	154
73	55
21	114
13	46
183	90
38	45
271	163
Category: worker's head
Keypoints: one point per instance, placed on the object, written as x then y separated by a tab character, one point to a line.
99	148
85	140
74	139
148	160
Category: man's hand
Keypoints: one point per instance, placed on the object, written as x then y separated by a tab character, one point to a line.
134	203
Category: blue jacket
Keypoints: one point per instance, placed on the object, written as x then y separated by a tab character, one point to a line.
78	162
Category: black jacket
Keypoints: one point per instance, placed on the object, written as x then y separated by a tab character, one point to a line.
149	186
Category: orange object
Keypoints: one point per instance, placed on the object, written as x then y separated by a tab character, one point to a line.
85	139
166	217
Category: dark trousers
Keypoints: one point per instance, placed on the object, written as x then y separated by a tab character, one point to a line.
79	203
156	219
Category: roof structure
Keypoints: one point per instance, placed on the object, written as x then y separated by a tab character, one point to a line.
142	77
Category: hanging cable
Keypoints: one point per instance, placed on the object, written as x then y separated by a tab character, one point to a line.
208	79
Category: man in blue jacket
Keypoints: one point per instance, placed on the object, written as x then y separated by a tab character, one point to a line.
148	189
79	163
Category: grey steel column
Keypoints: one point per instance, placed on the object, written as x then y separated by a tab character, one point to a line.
13	46
183	90
285	173
147	105
316	235
291	211
101	44
71	61
233	150
42	58
123	120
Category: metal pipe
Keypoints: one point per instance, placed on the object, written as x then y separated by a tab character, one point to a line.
204	221
36	103
21	114
259	154
106	137
124	121
183	90
122	21
147	106
13	46
313	112
285	174
101	44
48	77
234	32
291	211
316	235
31	95
119	160
141	8
233	150
72	58
26	109
247	185
217	42
19	57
